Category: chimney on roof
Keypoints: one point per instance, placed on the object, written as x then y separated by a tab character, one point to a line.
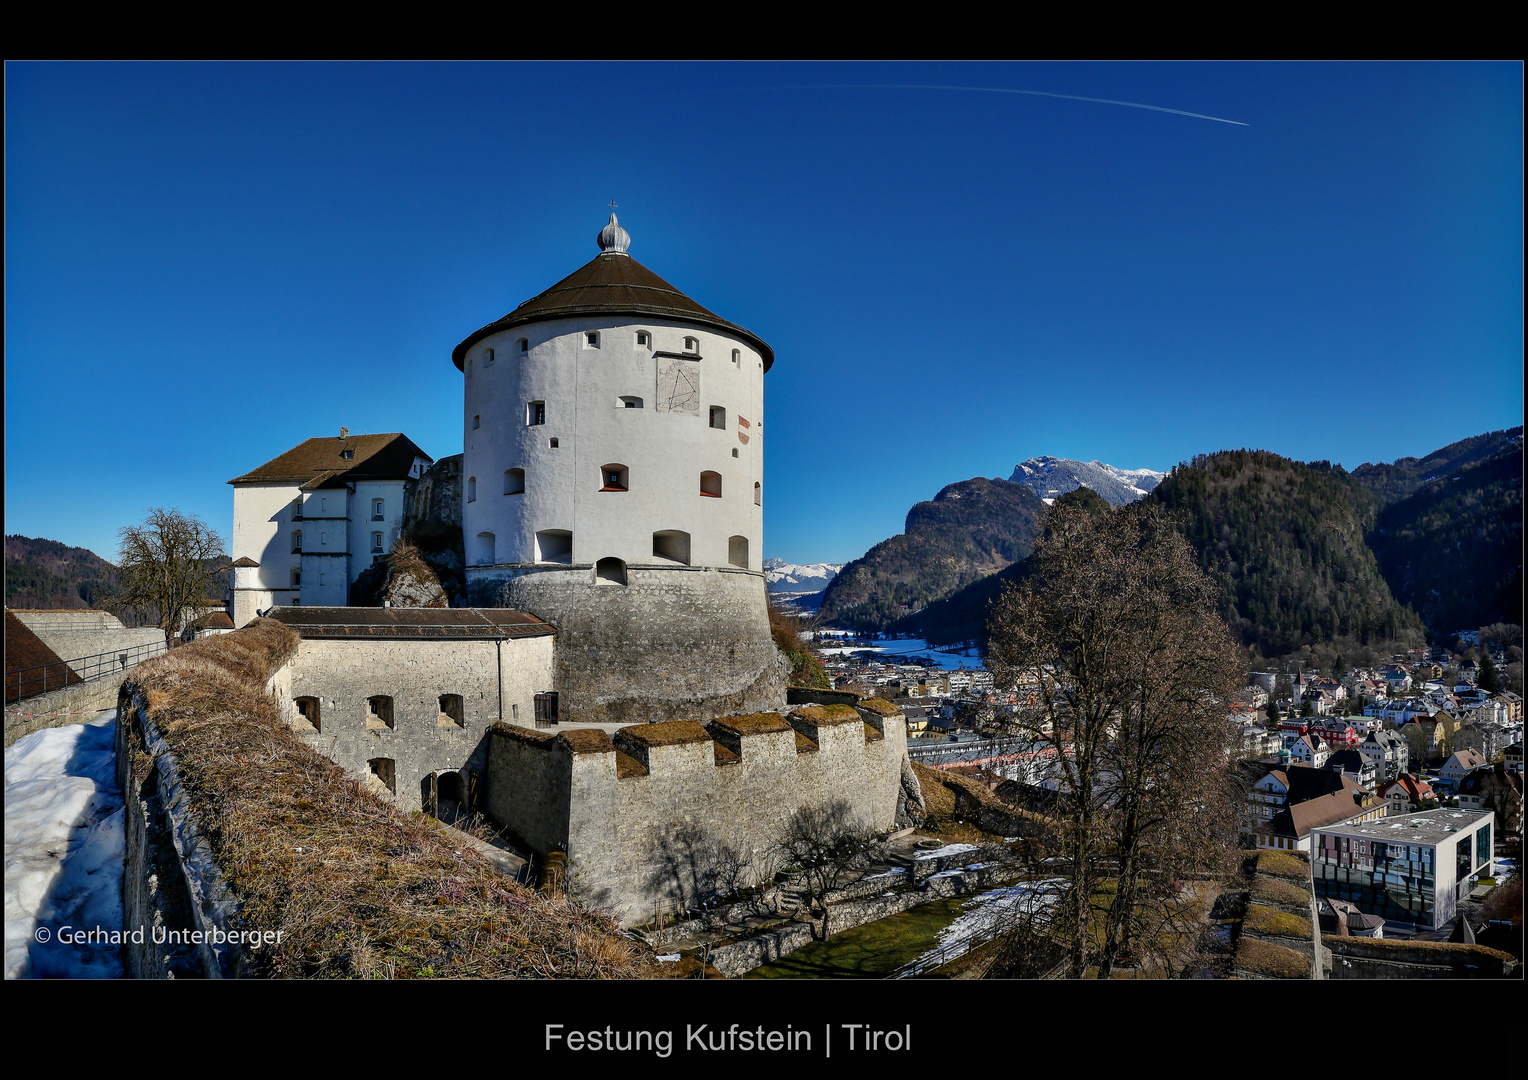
344	433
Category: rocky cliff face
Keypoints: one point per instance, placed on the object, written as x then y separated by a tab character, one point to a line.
433	503
427	566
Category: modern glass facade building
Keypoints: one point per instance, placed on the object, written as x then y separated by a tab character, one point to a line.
1412	869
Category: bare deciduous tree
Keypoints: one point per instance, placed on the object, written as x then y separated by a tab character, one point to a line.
1126	669
825	842
167	564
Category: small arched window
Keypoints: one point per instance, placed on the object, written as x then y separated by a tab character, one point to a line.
554	546
737	551
525	345
592	339
672	545
514	481
379	712
758	494
485	554
472	489
307	712
692	344
610	572
711	484
737	358
476	422
383	769
614	477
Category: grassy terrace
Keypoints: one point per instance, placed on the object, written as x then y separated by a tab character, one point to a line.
359	888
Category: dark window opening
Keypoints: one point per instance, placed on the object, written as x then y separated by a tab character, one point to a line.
383	769
307	711
451	713
614	478
379	713
711	485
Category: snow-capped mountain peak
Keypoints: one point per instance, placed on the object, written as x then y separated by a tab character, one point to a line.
792	577
1050	477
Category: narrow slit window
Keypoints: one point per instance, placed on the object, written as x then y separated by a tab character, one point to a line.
525	345
472	489
476	423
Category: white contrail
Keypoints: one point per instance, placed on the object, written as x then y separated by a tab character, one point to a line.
1002	90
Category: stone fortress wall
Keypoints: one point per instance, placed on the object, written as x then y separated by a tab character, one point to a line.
648	813
410	738
668	644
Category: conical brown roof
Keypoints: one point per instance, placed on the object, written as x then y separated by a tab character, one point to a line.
612	284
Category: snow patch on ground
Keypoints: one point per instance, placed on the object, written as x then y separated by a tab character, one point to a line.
986	909
948	849
64	849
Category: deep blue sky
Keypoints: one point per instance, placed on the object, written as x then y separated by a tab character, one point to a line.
208	263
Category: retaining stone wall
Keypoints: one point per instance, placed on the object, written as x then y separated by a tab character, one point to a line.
72	705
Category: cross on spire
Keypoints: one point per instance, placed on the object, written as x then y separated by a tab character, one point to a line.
612	204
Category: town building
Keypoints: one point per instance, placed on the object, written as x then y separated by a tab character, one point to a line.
1413	869
309	521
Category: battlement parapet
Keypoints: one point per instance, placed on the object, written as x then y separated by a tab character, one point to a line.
643	813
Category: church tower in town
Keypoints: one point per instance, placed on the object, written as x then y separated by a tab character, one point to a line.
613	486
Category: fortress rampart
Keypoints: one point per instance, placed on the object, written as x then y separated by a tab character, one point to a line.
680	808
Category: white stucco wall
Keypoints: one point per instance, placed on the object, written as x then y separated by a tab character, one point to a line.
664	451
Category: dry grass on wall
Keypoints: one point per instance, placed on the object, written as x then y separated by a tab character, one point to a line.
358	888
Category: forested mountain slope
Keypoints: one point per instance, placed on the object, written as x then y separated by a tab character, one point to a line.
966	532
1453	550
47	574
1401	478
1286	541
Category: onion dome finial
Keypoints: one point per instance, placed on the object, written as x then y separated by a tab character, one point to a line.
613	239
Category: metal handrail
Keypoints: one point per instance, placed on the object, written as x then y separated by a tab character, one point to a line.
41	678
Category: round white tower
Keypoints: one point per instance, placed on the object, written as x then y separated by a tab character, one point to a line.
613	485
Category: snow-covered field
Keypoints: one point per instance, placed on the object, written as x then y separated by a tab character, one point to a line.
64	846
